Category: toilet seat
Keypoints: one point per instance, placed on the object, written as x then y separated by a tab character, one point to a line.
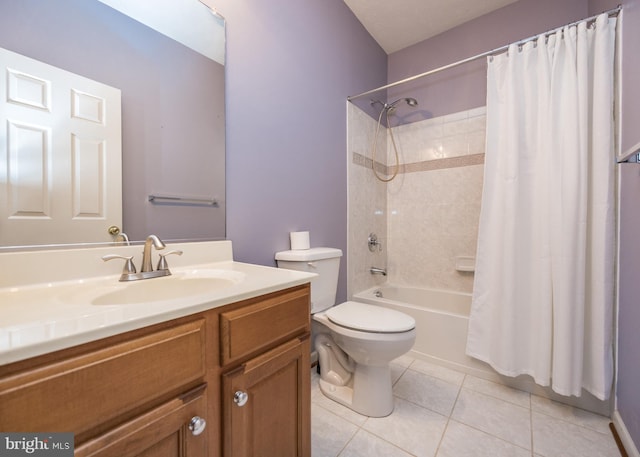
370	318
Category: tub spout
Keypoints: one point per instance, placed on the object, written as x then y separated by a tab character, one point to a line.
378	271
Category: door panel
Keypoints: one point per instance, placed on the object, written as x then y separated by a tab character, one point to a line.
161	432
272	421
60	155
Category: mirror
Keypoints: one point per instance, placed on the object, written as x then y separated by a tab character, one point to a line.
172	105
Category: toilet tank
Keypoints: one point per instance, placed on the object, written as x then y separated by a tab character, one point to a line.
325	262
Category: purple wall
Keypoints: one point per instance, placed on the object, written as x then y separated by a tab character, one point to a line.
464	87
630	71
628	296
629	261
290	67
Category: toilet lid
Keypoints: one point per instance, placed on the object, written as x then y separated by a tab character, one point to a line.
370	318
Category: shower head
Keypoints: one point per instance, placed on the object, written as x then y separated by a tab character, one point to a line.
410	101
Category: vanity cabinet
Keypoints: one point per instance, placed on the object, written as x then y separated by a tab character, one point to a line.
265	381
164	431
148	392
265	408
120	396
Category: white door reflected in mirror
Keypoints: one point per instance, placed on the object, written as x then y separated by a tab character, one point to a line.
61	154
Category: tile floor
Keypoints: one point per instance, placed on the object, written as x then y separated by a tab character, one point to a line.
444	413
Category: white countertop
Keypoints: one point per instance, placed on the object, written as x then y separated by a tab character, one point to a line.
41	317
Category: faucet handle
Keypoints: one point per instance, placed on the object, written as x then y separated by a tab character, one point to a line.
129	267
162	263
372	242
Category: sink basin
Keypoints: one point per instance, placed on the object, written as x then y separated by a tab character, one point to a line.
161	290
183	284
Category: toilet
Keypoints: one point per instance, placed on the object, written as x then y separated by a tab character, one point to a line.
355	341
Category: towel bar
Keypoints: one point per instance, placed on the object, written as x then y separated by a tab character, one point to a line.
166	200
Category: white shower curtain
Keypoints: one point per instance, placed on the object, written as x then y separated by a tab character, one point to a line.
544	284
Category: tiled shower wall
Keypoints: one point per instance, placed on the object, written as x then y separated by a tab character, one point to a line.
367	203
427	217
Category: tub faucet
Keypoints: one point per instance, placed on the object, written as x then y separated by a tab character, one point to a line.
154	241
378	271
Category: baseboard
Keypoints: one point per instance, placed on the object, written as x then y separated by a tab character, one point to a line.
625	437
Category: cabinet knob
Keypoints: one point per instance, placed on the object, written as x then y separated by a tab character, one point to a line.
240	398
197	425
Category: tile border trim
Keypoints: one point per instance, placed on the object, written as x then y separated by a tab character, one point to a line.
425	165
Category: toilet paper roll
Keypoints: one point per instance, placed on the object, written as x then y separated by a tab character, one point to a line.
299	240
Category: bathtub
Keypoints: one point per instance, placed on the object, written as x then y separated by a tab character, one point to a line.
441	318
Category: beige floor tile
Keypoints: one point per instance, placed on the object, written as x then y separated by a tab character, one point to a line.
396	372
427	391
497	417
456	415
463	441
413	428
365	444
556	438
329	433
570	414
517	397
437	371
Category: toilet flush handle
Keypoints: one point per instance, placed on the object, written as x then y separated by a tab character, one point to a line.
311	264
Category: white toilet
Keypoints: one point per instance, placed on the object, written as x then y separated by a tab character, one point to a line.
355	341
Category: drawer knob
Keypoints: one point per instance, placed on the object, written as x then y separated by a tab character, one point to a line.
240	398
197	425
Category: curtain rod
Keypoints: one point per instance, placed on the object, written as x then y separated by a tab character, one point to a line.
612	13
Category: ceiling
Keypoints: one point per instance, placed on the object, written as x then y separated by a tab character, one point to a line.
397	24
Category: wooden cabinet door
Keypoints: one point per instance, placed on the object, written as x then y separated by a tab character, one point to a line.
162	432
82	393
275	419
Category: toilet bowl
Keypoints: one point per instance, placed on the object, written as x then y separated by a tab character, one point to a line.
355	344
355	341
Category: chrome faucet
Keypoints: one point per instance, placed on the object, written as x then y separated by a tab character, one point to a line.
378	271
129	272
154	241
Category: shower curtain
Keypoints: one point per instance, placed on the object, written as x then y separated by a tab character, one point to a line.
544	284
